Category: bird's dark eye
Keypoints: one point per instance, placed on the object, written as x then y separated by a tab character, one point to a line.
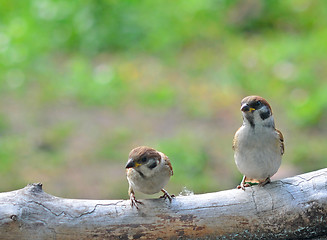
258	103
143	159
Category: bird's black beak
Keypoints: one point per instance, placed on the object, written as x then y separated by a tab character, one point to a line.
130	163
246	108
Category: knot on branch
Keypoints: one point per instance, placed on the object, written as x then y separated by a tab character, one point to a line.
13	217
34	188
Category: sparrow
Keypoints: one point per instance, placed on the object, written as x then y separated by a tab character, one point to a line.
148	171
258	146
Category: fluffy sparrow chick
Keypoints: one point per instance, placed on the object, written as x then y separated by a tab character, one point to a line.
258	145
148	171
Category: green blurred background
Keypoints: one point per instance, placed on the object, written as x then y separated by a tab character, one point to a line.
83	82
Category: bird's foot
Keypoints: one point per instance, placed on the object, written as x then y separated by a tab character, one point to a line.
166	195
134	202
243	186
267	180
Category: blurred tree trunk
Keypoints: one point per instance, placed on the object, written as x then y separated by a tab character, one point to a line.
292	208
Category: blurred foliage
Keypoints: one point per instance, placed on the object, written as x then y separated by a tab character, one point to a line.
66	65
190	161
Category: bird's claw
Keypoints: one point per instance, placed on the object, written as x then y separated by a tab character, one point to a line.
135	202
243	186
167	195
267	180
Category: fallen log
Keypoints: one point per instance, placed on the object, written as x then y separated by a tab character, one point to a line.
291	208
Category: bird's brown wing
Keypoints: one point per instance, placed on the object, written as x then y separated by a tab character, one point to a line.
281	140
235	140
167	161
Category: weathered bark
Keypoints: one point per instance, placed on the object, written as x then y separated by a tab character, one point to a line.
291	208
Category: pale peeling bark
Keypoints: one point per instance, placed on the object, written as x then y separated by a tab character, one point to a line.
292	208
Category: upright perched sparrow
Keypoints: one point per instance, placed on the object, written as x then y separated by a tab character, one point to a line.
148	171
258	145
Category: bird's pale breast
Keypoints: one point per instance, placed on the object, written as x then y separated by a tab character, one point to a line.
150	184
257	153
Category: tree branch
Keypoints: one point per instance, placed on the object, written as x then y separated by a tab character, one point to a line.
290	208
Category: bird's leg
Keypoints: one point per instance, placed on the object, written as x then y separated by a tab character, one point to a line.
243	185
166	195
267	180
134	202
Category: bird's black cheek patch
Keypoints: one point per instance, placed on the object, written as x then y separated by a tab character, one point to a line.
265	115
153	165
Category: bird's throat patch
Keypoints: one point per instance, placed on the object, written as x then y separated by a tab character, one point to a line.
250	119
141	174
